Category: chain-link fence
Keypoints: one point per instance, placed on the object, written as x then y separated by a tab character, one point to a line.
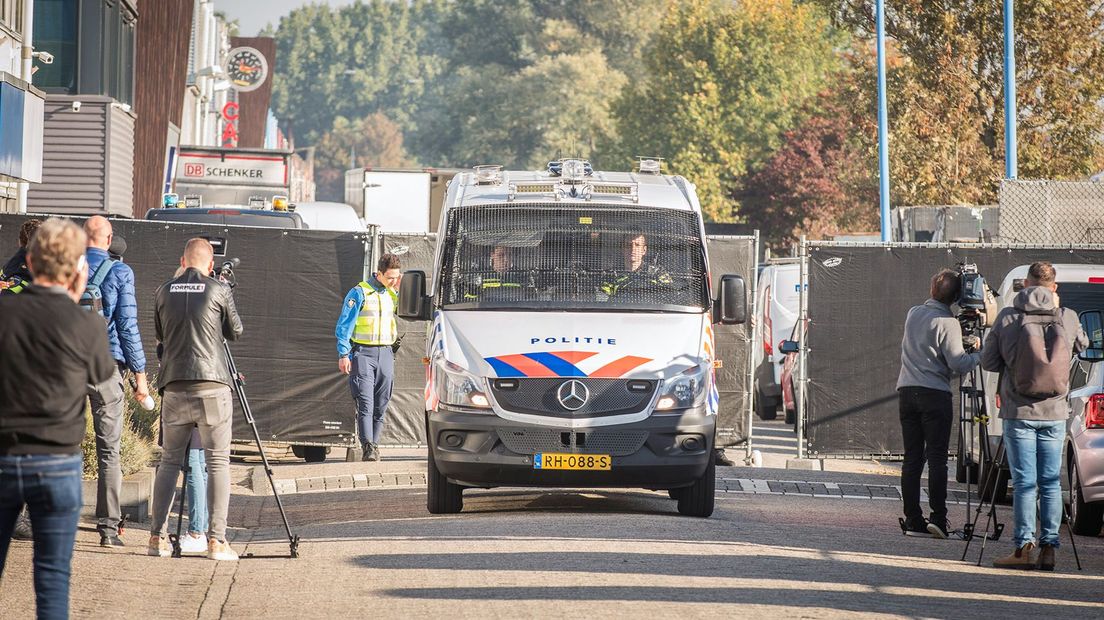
945	223
1051	212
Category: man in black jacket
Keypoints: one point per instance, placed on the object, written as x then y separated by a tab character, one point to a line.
52	350
193	314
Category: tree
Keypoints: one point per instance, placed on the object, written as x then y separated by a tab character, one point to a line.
558	105
947	138
823	179
353	61
725	80
373	141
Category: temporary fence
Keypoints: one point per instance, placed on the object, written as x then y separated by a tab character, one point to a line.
855	302
1050	212
946	224
290	287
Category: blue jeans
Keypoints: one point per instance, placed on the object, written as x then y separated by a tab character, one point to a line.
196	488
371	381
50	485
1034	449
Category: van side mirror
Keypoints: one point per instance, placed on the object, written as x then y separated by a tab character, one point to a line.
730	308
1092	321
414	304
789	346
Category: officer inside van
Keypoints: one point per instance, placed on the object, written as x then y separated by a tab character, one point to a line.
639	275
500	282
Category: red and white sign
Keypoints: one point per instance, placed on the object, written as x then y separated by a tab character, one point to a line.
230	114
232	168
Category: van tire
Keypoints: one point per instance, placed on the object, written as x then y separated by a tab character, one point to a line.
697	499
442	496
766	409
791	417
311	454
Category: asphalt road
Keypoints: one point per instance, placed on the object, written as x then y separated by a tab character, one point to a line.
566	554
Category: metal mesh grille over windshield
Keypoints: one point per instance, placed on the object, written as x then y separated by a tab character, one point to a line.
573	257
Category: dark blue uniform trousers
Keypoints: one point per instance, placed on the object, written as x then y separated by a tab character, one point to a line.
371	381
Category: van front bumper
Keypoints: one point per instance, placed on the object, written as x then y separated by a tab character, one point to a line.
663	451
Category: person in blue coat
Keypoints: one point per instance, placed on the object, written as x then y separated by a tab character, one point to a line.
120	309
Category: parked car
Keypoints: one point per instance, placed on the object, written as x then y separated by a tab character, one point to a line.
778	304
788	381
1083	450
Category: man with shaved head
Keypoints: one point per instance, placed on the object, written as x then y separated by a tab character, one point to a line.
115	282
193	314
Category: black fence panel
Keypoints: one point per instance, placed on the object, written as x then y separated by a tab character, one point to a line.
290	287
858	299
733	255
406	412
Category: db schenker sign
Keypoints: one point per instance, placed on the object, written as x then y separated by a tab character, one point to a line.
226	167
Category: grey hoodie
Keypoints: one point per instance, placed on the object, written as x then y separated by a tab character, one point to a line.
931	350
999	354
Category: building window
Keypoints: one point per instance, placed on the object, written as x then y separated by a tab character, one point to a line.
55	31
117	34
11	15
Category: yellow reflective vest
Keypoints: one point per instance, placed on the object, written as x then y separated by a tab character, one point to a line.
375	323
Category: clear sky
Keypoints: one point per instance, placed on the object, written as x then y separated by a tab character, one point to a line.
252	15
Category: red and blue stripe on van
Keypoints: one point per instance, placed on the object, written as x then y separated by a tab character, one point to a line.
561	364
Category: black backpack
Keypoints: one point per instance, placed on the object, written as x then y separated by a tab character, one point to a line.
92	298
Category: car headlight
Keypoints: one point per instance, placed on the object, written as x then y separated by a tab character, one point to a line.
684	390
458	387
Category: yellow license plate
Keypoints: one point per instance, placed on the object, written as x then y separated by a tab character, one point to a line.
553	460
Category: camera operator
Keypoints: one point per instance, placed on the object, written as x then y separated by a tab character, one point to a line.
52	350
931	354
1031	345
193	314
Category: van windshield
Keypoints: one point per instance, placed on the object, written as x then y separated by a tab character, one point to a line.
570	258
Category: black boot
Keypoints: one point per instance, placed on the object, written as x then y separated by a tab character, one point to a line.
375	455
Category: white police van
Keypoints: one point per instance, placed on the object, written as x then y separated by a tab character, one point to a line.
570	340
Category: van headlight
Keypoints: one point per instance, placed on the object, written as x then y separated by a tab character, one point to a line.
684	390
458	387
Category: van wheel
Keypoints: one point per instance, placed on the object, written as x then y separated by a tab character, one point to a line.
442	496
311	454
791	417
697	499
765	409
1085	518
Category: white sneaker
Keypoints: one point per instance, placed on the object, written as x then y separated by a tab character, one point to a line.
220	550
158	547
193	543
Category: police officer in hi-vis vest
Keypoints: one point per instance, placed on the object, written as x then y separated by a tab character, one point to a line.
366	332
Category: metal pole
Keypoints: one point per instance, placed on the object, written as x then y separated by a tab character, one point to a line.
753	292
1010	151
883	127
26	73
801	323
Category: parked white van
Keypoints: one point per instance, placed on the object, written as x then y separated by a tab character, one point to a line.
570	340
778	300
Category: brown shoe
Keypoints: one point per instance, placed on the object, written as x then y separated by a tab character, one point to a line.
1046	557
1020	559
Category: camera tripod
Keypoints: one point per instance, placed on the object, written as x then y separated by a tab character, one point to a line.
239	389
989	488
973	426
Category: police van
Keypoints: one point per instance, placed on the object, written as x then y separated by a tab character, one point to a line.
570	339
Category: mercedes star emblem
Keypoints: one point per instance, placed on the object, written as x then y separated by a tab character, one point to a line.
573	395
